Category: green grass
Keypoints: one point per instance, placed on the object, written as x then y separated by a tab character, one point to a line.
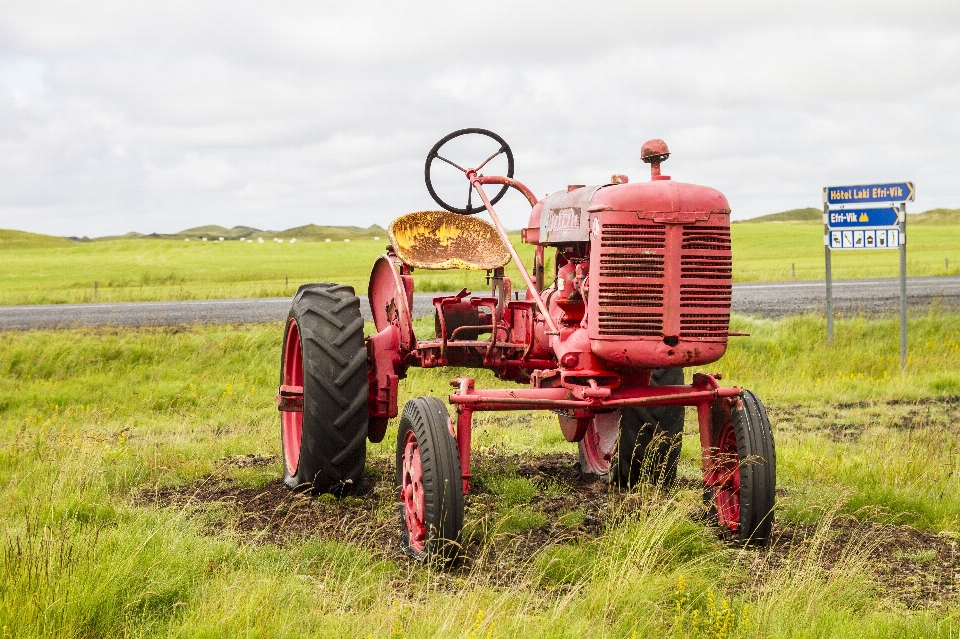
89	419
777	251
147	270
36	269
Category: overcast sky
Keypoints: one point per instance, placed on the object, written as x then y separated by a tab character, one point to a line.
154	117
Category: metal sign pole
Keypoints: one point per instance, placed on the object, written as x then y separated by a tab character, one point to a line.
868	228
826	251
903	289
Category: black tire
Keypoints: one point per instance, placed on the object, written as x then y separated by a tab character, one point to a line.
755	465
426	422
650	439
334	433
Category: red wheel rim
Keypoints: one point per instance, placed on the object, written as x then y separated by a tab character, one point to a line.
291	424
726	492
598	463
411	494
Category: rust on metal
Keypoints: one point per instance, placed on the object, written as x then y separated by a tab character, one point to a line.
442	240
290	399
654	152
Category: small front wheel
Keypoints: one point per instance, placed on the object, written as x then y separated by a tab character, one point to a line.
429	482
741	486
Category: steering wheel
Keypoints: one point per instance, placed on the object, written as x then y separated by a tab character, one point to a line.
434	154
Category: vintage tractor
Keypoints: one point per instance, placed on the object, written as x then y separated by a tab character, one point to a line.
640	288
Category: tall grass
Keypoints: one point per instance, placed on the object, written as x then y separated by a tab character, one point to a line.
90	419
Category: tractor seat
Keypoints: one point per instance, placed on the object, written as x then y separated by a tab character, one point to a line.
442	240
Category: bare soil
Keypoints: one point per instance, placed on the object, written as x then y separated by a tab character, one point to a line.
914	568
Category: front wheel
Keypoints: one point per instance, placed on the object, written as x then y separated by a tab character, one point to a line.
741	486
429	482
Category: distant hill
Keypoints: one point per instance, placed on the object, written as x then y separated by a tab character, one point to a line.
809	214
215	232
936	217
132	235
12	239
334	233
310	232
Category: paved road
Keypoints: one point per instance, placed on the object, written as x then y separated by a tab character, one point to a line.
875	296
765	299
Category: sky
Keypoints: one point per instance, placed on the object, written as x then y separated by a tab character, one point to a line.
120	116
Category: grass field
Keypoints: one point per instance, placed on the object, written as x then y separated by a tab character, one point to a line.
139	471
44	270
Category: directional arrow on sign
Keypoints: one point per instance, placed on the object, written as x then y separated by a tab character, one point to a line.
864	193
860	218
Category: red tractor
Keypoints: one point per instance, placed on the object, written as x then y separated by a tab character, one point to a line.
640	288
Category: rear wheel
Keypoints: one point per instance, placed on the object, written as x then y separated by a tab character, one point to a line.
429	482
650	439
741	488
647	447
324	446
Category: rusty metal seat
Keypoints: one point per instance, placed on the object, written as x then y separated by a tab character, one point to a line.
441	240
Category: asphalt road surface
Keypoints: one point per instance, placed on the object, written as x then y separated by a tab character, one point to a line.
765	299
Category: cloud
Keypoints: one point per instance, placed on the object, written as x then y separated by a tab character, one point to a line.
119	116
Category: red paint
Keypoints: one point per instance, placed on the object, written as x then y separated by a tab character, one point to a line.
464	427
641	280
291	422
597	461
411	493
726	489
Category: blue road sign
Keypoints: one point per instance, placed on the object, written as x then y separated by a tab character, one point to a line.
863	193
861	218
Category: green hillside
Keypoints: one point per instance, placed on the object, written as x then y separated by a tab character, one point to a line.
936	217
808	214
333	233
310	232
17	239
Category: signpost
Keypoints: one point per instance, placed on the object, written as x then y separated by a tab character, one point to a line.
864	193
860	218
868	228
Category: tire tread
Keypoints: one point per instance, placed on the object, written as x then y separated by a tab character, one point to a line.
333	449
443	490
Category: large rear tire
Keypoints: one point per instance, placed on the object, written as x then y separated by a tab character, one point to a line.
324	447
744	490
650	439
647	447
429	482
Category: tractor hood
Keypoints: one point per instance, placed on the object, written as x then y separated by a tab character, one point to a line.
564	216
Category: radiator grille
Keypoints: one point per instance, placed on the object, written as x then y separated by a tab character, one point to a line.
622	294
705	295
634	236
709	238
714	267
706	274
637	324
625	265
632	293
631	278
704	324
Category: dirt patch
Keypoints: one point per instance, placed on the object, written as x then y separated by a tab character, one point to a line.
848	422
568	506
915	568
